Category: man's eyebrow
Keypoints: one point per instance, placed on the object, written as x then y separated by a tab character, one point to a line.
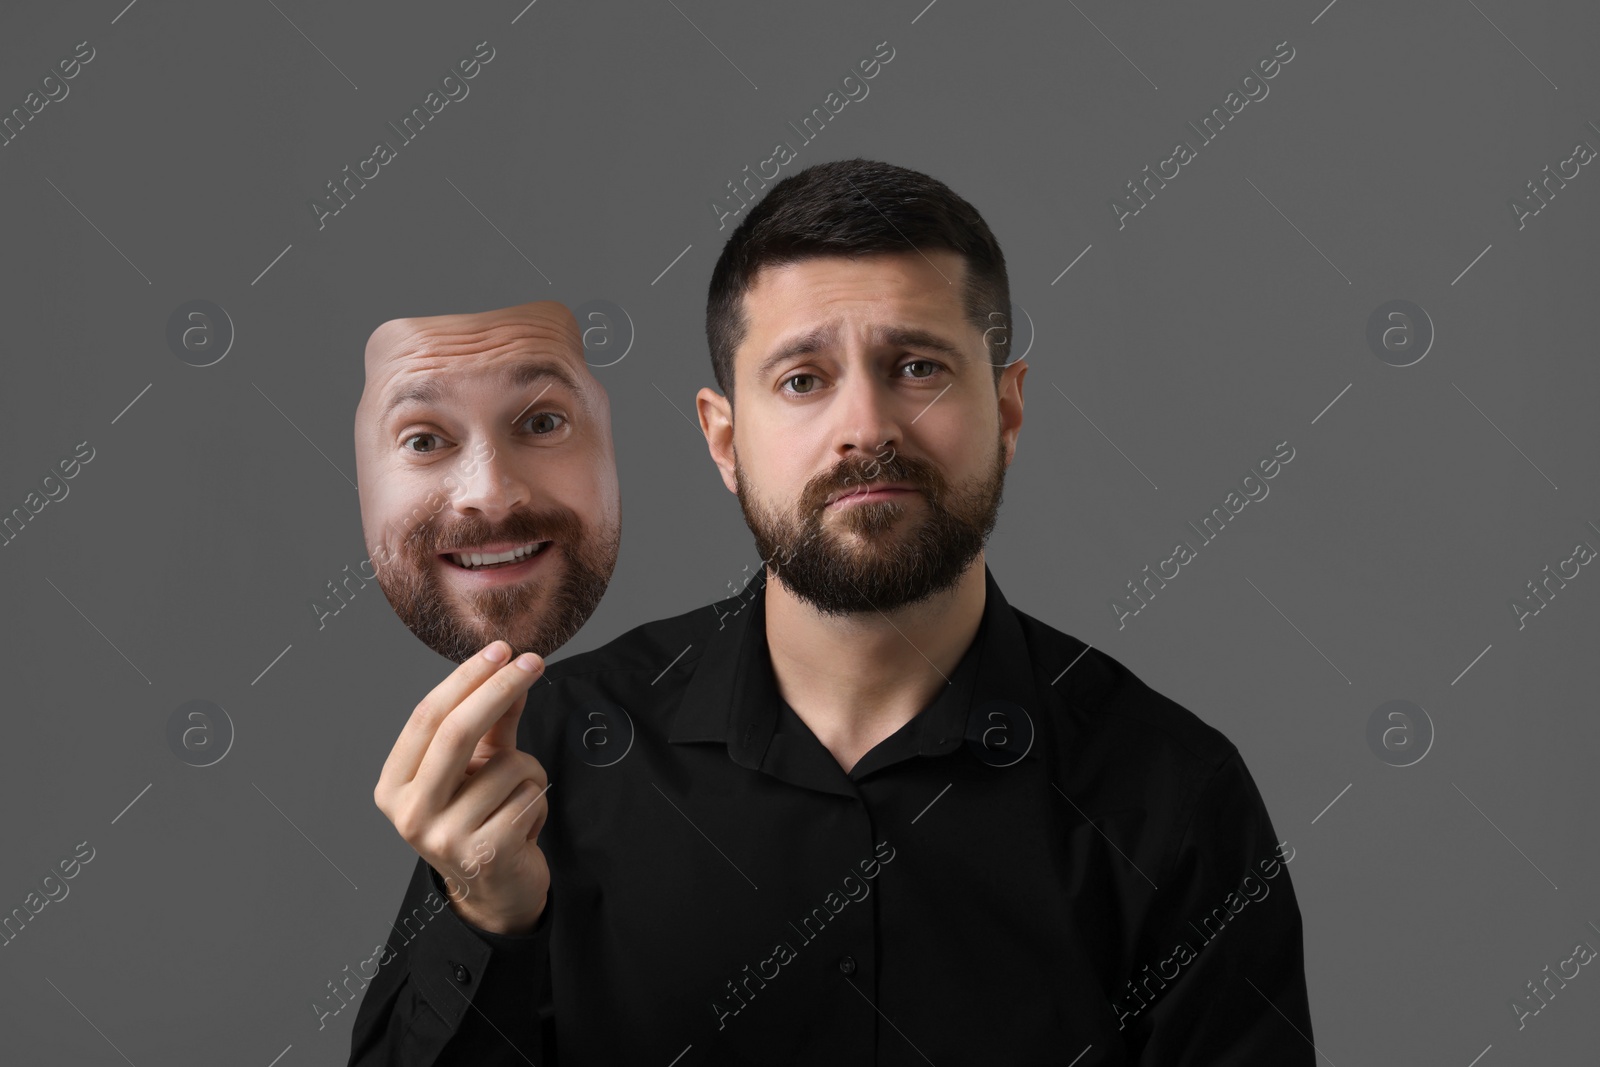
911	337
513	376
893	336
817	339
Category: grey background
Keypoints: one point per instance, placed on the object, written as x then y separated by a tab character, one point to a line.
1226	317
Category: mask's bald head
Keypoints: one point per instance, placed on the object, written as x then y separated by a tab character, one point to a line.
486	432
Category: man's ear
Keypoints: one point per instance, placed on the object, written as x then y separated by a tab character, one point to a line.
1011	406
716	422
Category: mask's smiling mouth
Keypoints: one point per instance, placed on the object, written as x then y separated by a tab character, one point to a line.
505	559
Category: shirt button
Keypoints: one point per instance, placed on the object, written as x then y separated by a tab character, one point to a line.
462	974
848	965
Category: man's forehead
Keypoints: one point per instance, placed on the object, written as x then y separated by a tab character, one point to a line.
541	328
887	298
832	286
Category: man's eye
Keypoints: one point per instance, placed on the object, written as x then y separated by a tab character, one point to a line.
802	383
544	422
929	364
417	437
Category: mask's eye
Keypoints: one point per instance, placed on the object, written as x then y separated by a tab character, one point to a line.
544	422
419	437
930	368
802	383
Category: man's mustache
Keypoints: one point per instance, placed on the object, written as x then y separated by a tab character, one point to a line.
560	525
852	473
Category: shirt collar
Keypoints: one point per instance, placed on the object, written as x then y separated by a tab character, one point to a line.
992	705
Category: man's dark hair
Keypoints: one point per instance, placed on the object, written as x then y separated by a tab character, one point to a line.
855	207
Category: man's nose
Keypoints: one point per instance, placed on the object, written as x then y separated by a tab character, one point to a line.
492	487
868	417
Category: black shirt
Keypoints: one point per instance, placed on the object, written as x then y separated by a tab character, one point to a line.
1051	863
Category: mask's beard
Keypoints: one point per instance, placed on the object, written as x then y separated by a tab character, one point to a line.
539	615
862	557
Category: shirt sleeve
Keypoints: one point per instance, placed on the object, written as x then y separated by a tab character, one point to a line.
1221	979
447	993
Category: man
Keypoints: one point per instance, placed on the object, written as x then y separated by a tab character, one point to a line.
488	481
864	811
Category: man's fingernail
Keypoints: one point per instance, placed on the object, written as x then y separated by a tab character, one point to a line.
496	652
528	662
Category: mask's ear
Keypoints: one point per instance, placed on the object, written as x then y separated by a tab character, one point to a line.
716	422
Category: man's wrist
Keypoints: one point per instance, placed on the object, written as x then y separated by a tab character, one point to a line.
495	924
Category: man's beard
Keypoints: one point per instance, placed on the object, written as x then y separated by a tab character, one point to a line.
418	594
886	568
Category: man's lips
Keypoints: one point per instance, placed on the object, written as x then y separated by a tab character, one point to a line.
496	556
869	493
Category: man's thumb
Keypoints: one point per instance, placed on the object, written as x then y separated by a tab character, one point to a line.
503	734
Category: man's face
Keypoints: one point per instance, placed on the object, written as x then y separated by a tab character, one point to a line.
485	435
870	446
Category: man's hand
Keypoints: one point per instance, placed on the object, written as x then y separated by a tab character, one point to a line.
469	801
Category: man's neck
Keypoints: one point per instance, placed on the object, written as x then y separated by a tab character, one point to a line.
854	680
